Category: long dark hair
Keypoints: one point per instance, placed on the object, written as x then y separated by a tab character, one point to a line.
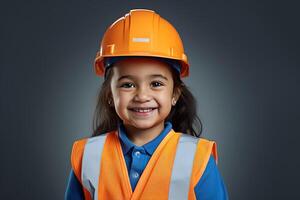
183	115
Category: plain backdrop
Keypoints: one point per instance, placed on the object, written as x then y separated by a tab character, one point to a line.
244	58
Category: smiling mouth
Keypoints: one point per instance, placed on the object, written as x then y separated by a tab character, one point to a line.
142	110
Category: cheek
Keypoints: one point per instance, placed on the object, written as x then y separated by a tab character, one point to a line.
165	99
121	99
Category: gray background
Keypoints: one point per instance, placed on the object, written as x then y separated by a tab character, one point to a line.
244	58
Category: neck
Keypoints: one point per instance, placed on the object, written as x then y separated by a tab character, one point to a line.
142	136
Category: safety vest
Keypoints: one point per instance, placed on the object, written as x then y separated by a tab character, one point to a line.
172	172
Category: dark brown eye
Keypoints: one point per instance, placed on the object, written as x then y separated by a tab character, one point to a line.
127	85
156	84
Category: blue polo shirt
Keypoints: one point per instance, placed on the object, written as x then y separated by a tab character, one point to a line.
209	187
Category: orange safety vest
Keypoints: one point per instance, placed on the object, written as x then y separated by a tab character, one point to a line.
157	180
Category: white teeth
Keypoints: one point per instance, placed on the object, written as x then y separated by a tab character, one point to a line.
143	110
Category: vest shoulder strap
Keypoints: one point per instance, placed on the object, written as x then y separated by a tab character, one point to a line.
91	163
205	149
191	159
76	162
76	156
182	167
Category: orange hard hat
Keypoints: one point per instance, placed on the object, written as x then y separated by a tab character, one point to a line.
141	32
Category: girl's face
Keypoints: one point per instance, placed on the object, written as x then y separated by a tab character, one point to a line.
142	92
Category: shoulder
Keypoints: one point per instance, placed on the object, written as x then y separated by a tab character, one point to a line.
78	149
206	152
209	147
204	146
77	154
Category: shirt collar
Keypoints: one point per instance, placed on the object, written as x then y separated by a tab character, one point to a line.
150	146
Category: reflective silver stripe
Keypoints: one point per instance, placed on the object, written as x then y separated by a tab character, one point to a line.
182	167
91	162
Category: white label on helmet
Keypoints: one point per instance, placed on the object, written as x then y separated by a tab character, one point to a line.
141	39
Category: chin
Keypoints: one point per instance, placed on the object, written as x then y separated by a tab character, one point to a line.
142	124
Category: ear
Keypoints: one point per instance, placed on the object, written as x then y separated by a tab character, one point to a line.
176	95
110	100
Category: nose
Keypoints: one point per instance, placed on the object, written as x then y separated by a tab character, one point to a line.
142	95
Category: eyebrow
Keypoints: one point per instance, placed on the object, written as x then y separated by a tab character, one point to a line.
151	76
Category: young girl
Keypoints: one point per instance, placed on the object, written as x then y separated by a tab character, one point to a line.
145	144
